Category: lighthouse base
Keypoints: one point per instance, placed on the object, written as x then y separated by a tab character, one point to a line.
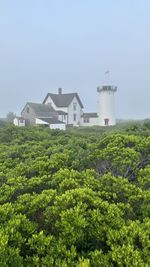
106	121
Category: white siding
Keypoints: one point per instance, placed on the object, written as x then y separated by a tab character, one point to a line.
63	118
92	122
72	112
60	126
50	101
106	107
19	123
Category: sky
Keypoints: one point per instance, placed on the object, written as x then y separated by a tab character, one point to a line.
47	44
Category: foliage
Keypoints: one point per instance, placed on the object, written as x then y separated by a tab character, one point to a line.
78	198
10	116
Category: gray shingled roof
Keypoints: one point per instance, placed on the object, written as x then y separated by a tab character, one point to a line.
51	120
63	100
61	112
42	110
90	115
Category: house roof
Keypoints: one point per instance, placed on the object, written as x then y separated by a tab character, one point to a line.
63	100
42	110
51	120
90	115
61	112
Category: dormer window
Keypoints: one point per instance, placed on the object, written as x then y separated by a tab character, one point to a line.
49	103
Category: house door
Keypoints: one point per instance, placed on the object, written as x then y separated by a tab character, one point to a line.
106	121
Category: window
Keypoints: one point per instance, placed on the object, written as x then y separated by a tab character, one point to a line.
74	106
21	120
74	117
28	110
86	120
64	117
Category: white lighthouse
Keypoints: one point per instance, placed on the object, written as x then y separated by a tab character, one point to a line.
106	111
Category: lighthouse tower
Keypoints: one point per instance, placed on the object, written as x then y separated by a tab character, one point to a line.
106	112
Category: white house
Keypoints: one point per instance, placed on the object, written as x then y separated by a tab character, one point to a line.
69	106
59	110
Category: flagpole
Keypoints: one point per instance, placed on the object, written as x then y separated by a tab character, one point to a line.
107	76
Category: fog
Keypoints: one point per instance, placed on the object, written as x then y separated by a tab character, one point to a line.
70	44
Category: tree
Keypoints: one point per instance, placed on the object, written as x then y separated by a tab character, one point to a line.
74	199
10	116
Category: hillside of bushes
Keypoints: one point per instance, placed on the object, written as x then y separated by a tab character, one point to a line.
79	198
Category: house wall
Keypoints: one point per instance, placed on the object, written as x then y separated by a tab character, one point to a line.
106	107
92	122
63	118
72	112
60	126
50	101
65	109
29	116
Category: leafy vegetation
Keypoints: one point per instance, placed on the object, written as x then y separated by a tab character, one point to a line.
79	198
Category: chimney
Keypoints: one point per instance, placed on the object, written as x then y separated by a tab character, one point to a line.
59	91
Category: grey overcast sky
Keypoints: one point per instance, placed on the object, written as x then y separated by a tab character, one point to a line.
46	44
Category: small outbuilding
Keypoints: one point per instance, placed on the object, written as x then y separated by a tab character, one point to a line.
89	119
19	121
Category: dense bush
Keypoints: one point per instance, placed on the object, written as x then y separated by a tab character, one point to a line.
76	198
